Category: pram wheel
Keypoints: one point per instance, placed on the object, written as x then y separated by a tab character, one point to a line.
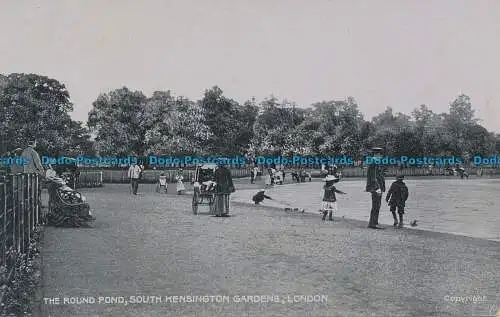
159	188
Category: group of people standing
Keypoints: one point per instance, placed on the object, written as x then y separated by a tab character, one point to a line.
396	196
220	182
136	171
375	184
275	176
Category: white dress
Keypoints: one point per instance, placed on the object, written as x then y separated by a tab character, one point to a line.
180	184
268	179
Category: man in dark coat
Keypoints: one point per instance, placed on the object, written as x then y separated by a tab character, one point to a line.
252	175
375	184
223	188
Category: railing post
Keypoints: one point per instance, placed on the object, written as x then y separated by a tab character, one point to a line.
19	213
35	204
38	207
4	207
15	200
22	212
30	208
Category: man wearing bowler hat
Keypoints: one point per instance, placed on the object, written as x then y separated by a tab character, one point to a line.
375	184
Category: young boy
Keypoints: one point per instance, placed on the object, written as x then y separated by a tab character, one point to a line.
329	204
396	197
259	197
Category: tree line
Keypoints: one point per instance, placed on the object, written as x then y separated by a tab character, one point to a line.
123	121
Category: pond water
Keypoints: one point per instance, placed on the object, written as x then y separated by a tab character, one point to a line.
459	206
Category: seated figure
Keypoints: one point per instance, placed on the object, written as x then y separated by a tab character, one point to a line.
208	185
67	207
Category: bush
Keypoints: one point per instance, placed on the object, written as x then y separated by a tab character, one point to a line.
19	292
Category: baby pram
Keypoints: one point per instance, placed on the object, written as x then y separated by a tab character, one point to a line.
204	187
162	183
278	177
67	207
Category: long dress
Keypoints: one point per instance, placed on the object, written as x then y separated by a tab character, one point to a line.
180	185
224	188
268	179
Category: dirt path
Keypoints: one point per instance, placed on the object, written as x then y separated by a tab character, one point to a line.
153	245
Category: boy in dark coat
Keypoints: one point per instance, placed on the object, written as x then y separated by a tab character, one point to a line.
259	197
396	197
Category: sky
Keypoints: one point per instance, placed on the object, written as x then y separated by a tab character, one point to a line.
397	53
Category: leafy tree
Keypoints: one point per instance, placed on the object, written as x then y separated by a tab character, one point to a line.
460	120
35	106
366	132
328	133
246	116
496	138
480	140
178	127
302	139
273	130
397	133
461	111
160	118
229	123
432	133
351	121
117	119
80	141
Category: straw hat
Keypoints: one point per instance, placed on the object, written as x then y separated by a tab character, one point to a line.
330	178
376	150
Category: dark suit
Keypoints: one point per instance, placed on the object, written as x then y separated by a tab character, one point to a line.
375	180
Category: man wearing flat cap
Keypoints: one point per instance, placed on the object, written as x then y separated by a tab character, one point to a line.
375	184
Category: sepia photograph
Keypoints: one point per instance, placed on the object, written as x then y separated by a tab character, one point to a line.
237	158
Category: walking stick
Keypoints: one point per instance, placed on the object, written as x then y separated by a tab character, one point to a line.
287	204
282	202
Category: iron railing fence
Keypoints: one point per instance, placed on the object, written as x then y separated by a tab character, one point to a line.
20	213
